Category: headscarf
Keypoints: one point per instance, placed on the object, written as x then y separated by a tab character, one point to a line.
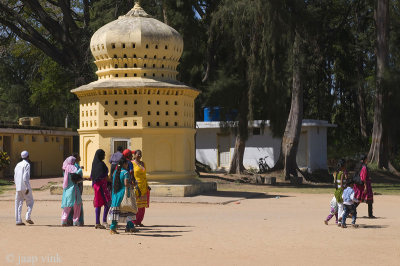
99	168
127	153
68	167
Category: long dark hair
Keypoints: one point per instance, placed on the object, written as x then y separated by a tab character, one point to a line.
360	164
117	180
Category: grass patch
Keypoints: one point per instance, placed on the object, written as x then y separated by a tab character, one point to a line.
5	185
380	188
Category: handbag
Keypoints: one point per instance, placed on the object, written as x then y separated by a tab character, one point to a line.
128	203
75	178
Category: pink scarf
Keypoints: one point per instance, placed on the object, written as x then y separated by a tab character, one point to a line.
68	167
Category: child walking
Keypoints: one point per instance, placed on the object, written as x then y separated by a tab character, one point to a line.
334	211
349	204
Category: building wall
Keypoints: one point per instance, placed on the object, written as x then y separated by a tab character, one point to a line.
317	147
158	121
311	150
46	151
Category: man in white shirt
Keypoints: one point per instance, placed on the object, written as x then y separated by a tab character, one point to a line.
23	188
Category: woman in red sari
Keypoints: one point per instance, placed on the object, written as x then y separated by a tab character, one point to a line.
102	196
363	192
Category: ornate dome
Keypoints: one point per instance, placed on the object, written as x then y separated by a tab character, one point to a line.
136	45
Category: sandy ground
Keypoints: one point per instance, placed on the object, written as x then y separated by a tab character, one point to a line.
266	230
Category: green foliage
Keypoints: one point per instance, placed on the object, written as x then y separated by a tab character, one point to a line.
4	159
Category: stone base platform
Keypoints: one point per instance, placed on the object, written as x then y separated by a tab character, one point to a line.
157	189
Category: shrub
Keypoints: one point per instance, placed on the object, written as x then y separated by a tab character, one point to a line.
4	159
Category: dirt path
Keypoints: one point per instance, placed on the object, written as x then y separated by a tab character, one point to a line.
260	231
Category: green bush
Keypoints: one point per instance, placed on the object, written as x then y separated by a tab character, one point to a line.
4	159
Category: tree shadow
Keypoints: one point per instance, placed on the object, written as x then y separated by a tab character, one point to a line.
366	217
242	194
372	226
156	225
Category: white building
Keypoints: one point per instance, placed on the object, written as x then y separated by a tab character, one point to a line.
215	145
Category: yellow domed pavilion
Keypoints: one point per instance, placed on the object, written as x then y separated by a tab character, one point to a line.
137	102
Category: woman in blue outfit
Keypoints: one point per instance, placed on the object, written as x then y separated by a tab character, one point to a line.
121	181
80	185
71	198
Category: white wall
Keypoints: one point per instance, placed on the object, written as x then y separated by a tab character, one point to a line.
312	150
206	147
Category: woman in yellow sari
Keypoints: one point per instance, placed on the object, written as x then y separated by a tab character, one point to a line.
143	193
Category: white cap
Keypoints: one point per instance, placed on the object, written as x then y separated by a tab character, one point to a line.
24	154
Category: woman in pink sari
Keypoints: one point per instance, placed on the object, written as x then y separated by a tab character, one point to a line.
102	196
363	192
71	199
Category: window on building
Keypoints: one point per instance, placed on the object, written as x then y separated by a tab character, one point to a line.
20	138
116	123
125	123
166	112
135	113
105	123
176	113
176	124
105	112
116	102
134	123
34	138
148	123
123	45
158	124
125	113
125	102
57	139
176	103
166	124
148	113
46	139
106	103
113	45
133	45
158	113
166	102
116	113
148	102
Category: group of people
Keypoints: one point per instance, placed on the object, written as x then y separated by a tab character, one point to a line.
350	192
127	175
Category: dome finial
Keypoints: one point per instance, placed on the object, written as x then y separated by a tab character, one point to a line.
137	11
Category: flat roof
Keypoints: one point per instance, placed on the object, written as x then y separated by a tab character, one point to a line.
55	131
258	123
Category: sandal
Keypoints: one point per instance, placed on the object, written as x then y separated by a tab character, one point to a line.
113	232
99	226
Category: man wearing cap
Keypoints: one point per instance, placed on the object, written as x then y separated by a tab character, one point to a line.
23	188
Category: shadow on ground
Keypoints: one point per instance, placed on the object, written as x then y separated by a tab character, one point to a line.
241	194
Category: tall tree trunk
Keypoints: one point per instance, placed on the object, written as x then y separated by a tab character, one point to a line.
361	101
378	152
237	166
164	11
291	137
